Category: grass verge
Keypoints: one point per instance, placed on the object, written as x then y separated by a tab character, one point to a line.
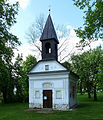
87	110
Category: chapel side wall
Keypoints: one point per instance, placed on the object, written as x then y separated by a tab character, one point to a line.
72	93
31	91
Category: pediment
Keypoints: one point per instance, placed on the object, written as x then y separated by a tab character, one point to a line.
48	66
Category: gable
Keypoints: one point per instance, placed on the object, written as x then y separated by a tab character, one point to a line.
48	66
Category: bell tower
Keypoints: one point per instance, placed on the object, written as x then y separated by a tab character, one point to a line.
49	41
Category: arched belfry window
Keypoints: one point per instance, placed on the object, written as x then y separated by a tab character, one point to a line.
48	48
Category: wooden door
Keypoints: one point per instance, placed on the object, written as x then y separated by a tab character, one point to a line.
47	98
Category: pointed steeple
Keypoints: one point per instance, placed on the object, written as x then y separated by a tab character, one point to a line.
49	31
49	41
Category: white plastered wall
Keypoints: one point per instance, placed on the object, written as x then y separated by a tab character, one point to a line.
58	82
73	101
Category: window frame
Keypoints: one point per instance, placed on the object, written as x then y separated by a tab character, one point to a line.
60	97
46	67
37	97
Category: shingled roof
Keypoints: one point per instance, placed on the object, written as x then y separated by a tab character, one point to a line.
49	31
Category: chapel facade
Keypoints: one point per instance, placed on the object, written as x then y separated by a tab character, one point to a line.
51	85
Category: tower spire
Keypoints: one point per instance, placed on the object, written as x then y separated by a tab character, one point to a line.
49	41
49	31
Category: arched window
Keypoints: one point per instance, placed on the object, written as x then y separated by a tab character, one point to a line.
48	48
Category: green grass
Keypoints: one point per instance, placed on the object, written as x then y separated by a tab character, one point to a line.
87	110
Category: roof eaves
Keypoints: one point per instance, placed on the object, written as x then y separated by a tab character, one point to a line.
47	72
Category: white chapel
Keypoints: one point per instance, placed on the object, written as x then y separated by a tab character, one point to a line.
51	85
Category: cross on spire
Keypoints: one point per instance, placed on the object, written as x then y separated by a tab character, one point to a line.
49	9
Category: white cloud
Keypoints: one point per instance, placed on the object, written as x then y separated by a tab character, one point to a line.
97	43
72	33
27	49
69	27
71	42
68	48
23	3
59	33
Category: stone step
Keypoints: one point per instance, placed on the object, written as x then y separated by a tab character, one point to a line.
46	109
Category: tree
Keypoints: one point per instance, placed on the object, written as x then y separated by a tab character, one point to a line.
35	31
81	67
21	80
67	64
8	42
87	66
93	24
27	65
96	58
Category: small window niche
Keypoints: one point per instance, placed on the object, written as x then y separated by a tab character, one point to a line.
46	67
37	94
58	94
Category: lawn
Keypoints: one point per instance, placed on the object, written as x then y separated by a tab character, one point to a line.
87	110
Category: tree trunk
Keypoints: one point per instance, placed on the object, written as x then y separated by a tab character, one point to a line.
88	90
4	95
81	88
89	95
95	94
